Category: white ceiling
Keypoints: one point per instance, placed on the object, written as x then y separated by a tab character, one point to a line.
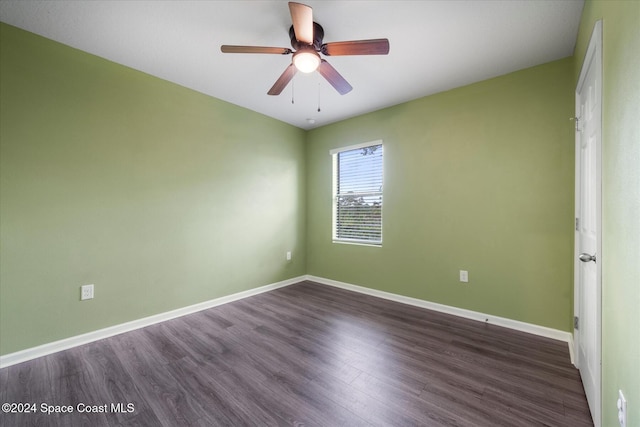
435	45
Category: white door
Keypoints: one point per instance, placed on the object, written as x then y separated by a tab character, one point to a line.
588	263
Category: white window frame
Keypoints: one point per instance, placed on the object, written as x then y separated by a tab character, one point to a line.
334	194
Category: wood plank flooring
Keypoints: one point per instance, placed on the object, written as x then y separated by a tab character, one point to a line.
310	355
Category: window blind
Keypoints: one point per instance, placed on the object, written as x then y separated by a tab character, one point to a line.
358	179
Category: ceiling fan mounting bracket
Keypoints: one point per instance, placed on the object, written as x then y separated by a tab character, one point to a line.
318	36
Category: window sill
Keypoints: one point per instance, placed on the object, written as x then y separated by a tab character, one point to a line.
358	243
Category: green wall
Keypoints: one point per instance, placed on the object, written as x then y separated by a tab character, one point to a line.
479	178
160	196
620	199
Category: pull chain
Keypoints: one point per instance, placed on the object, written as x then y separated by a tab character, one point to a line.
318	97
292	92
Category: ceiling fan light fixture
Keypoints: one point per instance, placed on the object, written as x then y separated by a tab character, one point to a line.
306	61
306	40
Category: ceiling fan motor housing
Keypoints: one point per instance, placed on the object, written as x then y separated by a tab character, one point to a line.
318	35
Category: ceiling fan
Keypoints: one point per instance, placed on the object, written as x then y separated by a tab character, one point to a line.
306	40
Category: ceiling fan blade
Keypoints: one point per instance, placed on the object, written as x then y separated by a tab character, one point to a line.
302	18
334	78
225	48
357	47
283	80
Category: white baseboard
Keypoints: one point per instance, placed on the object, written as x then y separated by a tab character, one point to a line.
468	314
572	354
64	344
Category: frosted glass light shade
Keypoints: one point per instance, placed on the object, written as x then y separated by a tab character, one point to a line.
306	61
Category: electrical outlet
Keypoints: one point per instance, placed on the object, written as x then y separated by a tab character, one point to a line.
289	256
86	292
622	409
464	276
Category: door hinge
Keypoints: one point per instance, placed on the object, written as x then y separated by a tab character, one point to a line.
576	322
577	120
577	224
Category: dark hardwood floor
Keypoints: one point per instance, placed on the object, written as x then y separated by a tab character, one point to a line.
311	355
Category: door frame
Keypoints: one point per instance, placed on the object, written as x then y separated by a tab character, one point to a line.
594	53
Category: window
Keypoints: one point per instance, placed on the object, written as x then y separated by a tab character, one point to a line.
357	193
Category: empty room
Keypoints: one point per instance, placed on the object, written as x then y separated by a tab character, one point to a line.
329	213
